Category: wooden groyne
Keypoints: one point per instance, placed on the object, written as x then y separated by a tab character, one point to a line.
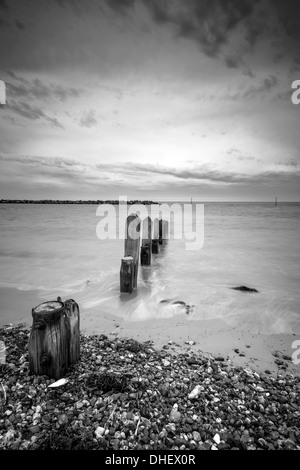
130	261
155	239
154	234
146	248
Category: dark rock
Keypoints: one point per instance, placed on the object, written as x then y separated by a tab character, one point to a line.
189	420
244	289
286	358
34	429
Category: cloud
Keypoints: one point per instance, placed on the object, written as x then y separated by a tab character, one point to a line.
20	25
201	173
255	28
40	90
265	86
57	162
209	23
232	62
233	150
226	29
32	113
262	87
73	175
120	6
291	163
236	153
289	16
76	5
3	5
88	119
7	21
4	8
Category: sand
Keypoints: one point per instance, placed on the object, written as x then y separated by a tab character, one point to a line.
215	337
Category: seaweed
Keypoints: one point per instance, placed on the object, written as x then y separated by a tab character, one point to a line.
107	382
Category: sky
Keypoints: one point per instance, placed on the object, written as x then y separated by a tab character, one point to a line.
150	99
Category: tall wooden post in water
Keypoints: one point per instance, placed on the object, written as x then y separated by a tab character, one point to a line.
130	261
146	247
165	230
155	239
160	232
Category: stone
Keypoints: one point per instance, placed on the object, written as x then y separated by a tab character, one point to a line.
175	415
62	420
34	429
99	432
244	289
195	392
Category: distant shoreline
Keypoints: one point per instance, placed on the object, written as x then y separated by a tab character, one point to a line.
134	201
52	201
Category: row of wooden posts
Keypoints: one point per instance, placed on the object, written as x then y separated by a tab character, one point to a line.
141	247
54	343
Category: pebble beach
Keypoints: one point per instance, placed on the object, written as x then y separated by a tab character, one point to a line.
129	395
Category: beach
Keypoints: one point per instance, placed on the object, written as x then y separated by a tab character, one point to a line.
48	251
125	395
215	337
200	356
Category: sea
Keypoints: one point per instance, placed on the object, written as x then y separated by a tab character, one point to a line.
49	250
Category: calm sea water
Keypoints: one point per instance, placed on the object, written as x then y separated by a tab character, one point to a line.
53	250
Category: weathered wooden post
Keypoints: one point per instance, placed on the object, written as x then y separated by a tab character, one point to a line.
155	239
127	274
146	247
165	230
130	261
54	342
160	238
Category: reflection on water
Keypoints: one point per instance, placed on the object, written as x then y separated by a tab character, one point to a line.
54	249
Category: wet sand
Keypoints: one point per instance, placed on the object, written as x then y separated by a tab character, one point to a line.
215	337
16	305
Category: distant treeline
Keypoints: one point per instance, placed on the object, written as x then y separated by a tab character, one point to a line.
52	201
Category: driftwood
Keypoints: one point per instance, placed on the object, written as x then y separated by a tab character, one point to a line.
54	342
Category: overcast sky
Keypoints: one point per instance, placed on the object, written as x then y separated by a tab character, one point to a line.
151	99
